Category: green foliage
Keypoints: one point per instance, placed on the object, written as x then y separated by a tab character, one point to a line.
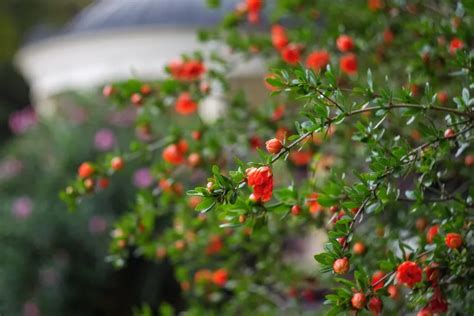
371	154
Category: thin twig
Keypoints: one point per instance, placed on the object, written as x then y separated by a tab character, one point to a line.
330	100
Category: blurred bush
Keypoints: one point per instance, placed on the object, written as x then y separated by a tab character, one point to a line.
52	262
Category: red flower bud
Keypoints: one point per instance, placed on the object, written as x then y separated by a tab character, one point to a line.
193	200
341	266
186	70
295	210
375	305
85	170
279	37
376	283
344	43
274	146
308	295
121	243
117	163
432	273
338	216
375	5
136	99
312	202
108	91
348	64
358	300
455	45
194	159
301	157
278	114
424	312
160	252
145	89
220	277
179	244
432	232
254	5
185	105
388	36
215	245
317	60
174	154
203	276
358	248
89	184
341	240
442	96
449	133
103	183
204	87
210	186
469	160
196	135
255	142
293	292
453	240
437	303
392	291
291	54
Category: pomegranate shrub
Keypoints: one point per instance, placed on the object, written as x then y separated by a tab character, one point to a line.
366	134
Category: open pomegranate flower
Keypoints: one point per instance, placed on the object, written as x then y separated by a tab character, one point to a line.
291	54
254	7
220	277
261	181
317	60
279	37
409	273
344	43
174	153
188	70
348	64
185	105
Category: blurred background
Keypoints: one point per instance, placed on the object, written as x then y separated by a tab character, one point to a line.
54	58
18	21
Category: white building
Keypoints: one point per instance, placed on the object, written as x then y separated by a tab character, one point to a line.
113	40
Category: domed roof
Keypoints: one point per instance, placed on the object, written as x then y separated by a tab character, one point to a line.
113	14
113	40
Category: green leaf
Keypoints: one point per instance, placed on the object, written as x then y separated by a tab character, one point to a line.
324	258
370	82
274	82
206	205
194	193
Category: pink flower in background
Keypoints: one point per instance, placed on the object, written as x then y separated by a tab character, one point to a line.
97	225
123	118
30	309
75	114
22	207
104	139
142	178
49	277
21	121
10	168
